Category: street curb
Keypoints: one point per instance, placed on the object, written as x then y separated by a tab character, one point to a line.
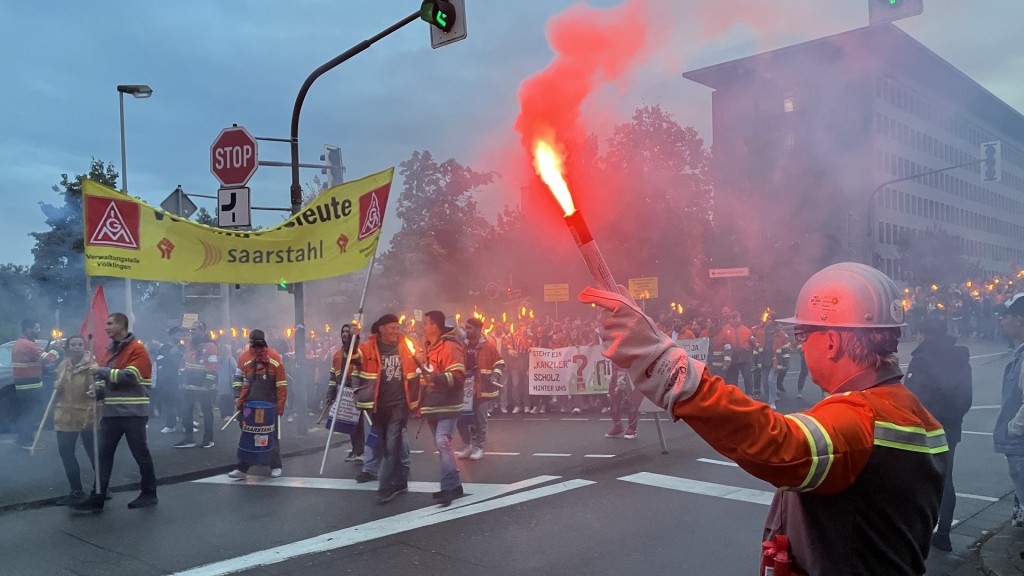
983	566
173	479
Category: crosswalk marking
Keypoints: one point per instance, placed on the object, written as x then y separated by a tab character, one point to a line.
977	433
551	454
976	497
700	487
397	524
346	484
719	462
599	455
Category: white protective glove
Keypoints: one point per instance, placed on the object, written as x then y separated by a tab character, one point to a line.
660	369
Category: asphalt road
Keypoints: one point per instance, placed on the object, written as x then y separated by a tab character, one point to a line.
552	496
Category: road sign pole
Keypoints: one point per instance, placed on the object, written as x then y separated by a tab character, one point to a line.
301	421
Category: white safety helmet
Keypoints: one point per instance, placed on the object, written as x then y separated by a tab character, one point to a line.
848	295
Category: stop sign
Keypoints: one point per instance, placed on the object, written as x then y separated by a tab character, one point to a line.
234	156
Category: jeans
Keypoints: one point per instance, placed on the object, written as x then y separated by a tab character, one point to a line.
769	385
517	388
443	429
133	428
473	428
205	400
30	405
803	375
67	442
948	494
616	391
1016	463
393	447
732	376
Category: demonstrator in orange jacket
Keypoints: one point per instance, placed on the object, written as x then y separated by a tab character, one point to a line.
859	475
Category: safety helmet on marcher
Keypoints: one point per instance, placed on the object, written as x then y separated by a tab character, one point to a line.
848	295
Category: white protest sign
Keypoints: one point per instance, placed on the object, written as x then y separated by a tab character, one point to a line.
569	371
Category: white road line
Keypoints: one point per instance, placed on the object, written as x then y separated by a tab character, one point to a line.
698	487
599	455
719	462
993	354
988	407
552	454
575	419
502	453
380	528
977	433
976	497
341	484
536	419
416	451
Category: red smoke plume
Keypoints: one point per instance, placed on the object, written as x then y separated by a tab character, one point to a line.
593	47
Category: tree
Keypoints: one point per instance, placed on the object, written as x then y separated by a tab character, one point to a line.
934	257
20	301
204	217
433	251
58	269
655	172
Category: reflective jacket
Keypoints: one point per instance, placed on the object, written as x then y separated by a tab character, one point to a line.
200	367
489	368
859	475
442	391
366	378
338	366
262	381
26	360
777	355
129	379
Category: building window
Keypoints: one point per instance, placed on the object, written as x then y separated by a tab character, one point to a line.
788	102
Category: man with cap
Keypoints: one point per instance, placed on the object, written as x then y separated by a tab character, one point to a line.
387	386
262	376
1008	435
859	476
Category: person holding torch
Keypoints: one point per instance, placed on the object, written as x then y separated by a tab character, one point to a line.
859	475
444	373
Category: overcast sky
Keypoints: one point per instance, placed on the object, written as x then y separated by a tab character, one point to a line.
213	63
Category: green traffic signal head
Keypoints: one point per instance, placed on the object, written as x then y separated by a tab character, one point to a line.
282	285
439	13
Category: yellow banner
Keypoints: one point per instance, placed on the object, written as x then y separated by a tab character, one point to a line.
334	235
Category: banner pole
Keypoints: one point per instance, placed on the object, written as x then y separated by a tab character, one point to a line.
348	359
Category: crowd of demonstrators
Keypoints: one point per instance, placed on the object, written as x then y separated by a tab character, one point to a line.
970	308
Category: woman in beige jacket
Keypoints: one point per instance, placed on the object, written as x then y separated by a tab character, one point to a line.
73	416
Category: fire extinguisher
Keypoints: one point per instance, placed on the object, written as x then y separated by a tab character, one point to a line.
775	556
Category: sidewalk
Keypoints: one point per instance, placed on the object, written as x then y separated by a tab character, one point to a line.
29	481
1001	552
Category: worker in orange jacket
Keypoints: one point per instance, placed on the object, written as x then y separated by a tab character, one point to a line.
859	475
263	380
199	367
357	438
739	341
442	395
484	367
27	360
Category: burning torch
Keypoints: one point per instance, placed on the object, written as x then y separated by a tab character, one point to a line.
549	167
412	349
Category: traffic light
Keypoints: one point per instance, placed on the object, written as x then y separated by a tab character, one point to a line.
439	13
335	170
992	161
284	286
882	11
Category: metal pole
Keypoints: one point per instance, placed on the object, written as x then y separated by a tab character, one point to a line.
296	199
124	189
348	359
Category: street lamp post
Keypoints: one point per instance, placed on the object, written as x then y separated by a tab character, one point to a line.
137	91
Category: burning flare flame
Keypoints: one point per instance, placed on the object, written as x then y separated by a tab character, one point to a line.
410	346
548	164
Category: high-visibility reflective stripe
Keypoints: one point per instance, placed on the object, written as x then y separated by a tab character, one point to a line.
435	409
282	383
910	438
821	451
365	405
22	365
489	394
28	386
274	363
111	400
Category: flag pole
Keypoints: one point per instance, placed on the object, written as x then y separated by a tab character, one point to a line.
348	359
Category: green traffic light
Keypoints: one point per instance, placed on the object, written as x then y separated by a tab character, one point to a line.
439	13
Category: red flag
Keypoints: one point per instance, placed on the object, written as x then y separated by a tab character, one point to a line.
95	323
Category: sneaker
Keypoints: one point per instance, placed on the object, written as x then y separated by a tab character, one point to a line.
195	424
630	434
185	444
457	490
615	432
941	541
144	501
543	410
449	496
477	454
577	411
800	395
71	498
351	457
92	503
464	453
359	458
605	410
364	477
207	444
533	410
517	410
772	406
237	474
276	472
291	418
167	430
383	497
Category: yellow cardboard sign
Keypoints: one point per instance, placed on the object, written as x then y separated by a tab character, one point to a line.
643	288
336	234
556	292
